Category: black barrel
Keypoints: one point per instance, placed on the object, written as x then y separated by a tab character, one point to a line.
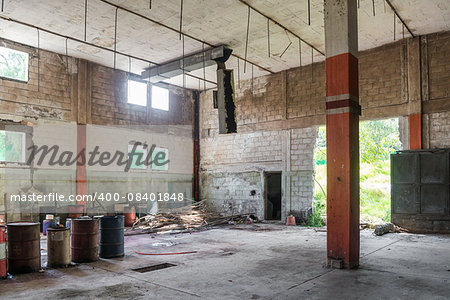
111	236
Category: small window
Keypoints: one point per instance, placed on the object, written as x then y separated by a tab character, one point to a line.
12	146
13	64
160	98
137	92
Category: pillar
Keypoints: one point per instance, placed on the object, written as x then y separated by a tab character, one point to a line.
342	121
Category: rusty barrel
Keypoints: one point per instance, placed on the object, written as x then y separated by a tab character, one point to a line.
111	236
129	213
75	211
84	240
3	271
24	247
58	247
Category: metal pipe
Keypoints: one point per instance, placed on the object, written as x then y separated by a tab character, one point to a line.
277	23
91	44
309	12
85	18
181	18
177	31
115	38
268	38
400	18
246	39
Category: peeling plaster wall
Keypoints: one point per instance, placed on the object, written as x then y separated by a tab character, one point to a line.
55	110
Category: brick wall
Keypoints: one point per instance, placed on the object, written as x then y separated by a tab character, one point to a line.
74	91
279	113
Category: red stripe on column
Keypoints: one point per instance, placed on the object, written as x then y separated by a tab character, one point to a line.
415	131
342	75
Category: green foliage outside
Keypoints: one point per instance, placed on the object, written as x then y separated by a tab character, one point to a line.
13	64
377	140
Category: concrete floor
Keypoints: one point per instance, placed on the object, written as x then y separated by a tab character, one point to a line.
263	261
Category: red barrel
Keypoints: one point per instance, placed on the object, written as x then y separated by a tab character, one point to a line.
75	211
84	240
129	212
3	271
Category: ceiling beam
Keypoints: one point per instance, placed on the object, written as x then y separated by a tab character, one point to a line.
280	25
400	18
91	44
178	31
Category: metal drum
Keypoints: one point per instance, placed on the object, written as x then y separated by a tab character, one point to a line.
111	236
129	213
75	211
3	271
58	247
24	247
84	240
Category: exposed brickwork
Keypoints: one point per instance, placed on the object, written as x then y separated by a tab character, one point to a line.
47	98
439	65
270	108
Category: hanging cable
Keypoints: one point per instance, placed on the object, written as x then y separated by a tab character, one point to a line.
359	4
268	38
115	38
150	4
289	45
246	39
252	80
309	12
184	77
394	27
85	18
3	5
39	58
373	7
300	53
67	68
239	74
181	17
312	65
204	67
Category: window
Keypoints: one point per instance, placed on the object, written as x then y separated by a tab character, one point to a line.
13	64
12	146
138	159
160	159
160	98
137	92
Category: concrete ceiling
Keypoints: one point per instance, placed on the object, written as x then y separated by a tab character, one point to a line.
212	21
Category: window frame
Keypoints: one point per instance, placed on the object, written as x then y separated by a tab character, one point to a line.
27	65
168	98
130	78
23	155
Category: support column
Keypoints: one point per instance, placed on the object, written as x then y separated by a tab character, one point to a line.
414	94
342	120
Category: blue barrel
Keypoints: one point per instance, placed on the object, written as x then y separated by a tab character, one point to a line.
111	236
68	223
48	224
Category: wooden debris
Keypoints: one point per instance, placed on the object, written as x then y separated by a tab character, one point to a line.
185	219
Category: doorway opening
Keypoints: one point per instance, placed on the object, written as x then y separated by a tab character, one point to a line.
272	206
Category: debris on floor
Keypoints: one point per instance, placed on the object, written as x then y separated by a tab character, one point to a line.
186	219
387	228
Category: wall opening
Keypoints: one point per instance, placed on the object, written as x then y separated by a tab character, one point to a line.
377	140
272	206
